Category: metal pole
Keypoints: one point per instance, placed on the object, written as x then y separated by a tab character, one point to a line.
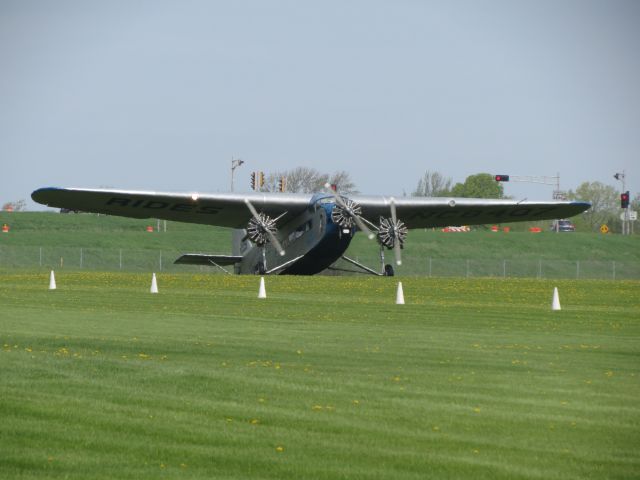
540	268
235	163
161	260
614	269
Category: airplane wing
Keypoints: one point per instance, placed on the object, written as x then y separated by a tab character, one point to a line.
221	209
423	212
230	210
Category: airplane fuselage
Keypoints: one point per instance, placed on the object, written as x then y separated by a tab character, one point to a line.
311	240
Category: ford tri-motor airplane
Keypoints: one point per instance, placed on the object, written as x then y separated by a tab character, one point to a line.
302	234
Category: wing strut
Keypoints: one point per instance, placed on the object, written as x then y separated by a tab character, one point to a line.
359	265
220	267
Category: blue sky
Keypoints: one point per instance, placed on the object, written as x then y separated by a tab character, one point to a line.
160	95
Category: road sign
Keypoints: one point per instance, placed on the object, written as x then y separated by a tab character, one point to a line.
604	229
633	215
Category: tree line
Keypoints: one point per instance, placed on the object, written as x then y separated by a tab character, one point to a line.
604	199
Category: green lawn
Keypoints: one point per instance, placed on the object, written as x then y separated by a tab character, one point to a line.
326	378
100	242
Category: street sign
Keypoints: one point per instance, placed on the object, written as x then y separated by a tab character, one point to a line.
604	229
633	215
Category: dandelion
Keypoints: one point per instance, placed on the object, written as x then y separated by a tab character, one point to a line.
279	449
255	421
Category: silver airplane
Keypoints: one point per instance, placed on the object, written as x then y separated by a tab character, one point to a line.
302	234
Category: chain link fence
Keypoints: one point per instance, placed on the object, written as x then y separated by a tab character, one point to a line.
100	259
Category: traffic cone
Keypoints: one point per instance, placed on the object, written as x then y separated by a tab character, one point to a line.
400	295
262	292
154	284
555	304
52	281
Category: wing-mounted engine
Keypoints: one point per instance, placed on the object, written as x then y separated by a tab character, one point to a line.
261	228
391	232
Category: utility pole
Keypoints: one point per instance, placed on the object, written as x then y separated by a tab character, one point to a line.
235	163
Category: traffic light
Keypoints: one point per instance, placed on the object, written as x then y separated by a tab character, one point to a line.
282	184
260	179
501	178
624	199
253	180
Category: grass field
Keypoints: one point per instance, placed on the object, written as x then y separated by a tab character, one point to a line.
326	378
99	242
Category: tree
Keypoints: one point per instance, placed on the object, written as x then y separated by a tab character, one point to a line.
17	206
309	180
343	181
433	184
480	185
604	200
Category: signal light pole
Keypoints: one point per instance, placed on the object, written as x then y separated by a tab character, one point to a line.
557	193
624	203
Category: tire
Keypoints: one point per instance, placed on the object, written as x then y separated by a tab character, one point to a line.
388	270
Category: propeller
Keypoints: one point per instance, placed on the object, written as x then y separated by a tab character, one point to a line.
347	213
399	231
261	225
392	232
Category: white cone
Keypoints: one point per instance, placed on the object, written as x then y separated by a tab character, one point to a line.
400	295
52	281
262	293
555	305
154	284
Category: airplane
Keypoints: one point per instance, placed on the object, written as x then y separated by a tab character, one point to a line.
302	234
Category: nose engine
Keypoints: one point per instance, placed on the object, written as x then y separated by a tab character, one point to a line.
345	214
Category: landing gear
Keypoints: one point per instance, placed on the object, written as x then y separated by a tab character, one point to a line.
388	270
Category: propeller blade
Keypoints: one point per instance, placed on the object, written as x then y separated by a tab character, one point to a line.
361	225
272	237
276	243
396	243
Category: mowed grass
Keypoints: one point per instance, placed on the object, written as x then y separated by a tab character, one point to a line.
326	378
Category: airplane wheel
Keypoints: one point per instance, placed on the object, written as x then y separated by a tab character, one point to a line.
388	270
260	270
